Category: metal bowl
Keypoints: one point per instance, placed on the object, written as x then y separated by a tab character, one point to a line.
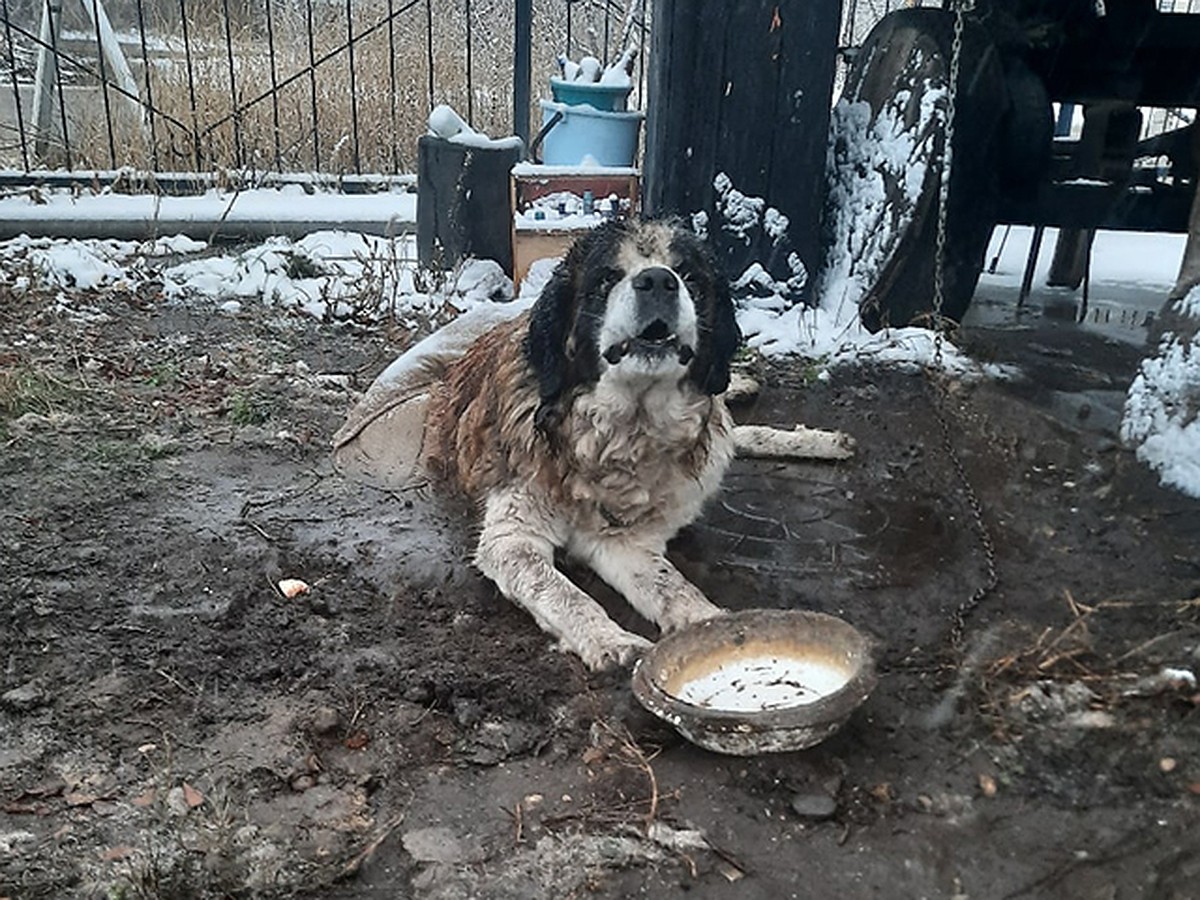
759	681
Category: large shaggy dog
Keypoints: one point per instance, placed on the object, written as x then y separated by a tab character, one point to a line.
592	423
595	424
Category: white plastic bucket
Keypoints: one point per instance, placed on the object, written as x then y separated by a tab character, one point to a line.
609	138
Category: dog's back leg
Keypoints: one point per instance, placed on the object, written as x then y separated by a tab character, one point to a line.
515	552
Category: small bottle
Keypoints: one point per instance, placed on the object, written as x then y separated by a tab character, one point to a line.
589	203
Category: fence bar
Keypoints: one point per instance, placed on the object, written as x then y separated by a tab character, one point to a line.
312	85
274	85
148	107
176	184
12	68
392	91
191	83
641	56
522	67
429	45
233	96
353	83
607	56
470	73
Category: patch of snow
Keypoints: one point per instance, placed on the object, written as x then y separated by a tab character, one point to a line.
85	265
1162	407
535	279
327	274
278	206
871	162
739	212
1189	305
584	168
76	265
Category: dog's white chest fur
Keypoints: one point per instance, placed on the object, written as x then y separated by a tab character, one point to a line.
646	456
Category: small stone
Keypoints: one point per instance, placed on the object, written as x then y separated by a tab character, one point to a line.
434	845
27	697
325	719
987	785
177	803
1167	764
814	806
302	783
418	693
292	587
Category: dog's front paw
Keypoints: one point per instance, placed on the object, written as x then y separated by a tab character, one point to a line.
688	611
617	648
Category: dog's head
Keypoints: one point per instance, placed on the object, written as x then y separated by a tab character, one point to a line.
632	300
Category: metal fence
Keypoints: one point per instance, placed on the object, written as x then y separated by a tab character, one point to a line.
274	86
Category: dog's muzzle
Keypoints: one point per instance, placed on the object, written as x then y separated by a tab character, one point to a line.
656	299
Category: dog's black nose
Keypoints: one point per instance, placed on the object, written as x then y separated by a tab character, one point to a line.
656	280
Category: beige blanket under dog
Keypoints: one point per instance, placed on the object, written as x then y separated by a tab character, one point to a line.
383	439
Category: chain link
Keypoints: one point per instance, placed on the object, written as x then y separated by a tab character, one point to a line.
939	399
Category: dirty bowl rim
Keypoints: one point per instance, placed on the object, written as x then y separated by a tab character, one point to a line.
830	708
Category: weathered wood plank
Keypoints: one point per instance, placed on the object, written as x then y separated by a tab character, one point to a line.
742	88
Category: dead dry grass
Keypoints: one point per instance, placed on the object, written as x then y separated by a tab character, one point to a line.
303	86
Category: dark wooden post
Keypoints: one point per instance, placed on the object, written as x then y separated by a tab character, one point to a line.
522	65
742	88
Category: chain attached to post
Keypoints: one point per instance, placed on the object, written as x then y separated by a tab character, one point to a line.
939	399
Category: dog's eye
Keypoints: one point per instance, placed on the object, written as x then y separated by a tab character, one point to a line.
608	279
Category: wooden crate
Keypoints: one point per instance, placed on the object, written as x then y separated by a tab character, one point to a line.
531	183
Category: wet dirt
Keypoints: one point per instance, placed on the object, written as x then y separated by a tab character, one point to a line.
171	726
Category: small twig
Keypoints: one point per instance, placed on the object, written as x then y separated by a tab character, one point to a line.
518	821
1076	606
352	868
419	719
283	495
640	761
359	707
262	533
191	692
1143	646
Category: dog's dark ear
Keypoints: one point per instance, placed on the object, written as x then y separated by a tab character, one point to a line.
720	336
710	370
559	357
547	343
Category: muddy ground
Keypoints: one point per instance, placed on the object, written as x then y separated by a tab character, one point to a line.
170	726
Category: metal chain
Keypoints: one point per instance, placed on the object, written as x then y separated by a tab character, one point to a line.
939	257
939	398
958	619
